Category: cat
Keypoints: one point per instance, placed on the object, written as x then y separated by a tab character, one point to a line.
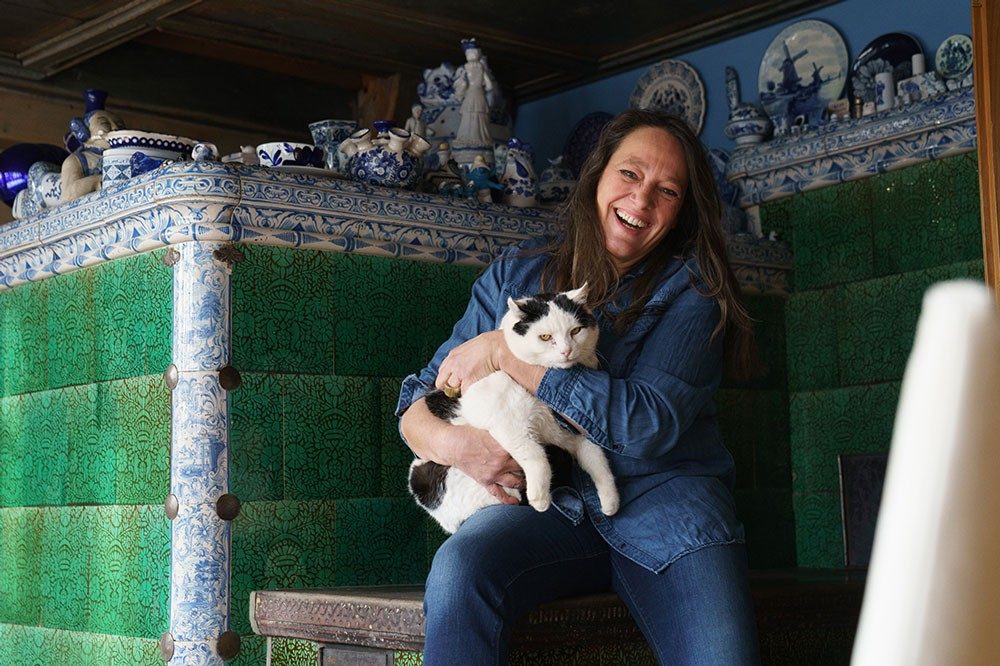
552	330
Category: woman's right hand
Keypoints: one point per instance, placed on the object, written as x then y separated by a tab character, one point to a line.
481	457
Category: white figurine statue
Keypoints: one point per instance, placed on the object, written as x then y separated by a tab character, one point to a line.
415	123
473	83
81	171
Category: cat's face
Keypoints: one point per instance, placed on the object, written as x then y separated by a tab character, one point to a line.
555	331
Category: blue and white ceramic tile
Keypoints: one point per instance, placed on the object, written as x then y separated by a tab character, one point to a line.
201	308
199	460
195	653
199	573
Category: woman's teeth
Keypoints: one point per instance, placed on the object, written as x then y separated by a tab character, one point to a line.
629	221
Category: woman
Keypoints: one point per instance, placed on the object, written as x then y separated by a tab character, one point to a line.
643	230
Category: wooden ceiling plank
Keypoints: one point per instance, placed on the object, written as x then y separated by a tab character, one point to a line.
100	34
449	31
11	66
279	63
331	55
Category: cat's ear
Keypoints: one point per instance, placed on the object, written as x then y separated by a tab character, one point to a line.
513	305
578	295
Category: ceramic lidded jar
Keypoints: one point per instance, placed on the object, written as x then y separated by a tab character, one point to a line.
747	124
390	158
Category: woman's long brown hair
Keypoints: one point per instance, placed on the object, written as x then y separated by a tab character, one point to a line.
580	256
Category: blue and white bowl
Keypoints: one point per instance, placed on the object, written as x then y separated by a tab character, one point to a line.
116	160
285	154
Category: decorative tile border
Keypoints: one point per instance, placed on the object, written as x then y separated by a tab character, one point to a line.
224	202
931	129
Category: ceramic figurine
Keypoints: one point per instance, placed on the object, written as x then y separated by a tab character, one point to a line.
555	183
748	124
473	83
480	180
82	171
329	134
518	178
415	124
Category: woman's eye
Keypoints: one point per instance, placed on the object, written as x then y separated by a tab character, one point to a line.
576	330
666	191
628	174
544	337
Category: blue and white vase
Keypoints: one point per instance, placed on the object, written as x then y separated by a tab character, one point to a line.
555	183
747	124
518	179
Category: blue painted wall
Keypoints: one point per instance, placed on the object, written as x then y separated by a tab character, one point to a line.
545	123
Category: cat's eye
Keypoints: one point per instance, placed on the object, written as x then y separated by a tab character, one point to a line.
544	337
575	331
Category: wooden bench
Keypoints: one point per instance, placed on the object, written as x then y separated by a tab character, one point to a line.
803	617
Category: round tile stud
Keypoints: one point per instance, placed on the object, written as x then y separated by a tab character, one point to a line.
170	376
228	645
171	506
228	506
166	647
171	257
229	378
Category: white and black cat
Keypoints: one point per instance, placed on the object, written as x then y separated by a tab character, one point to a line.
555	331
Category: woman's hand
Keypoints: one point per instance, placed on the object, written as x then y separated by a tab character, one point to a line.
480	456
472	360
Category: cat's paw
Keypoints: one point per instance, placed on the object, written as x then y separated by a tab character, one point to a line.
540	503
609	502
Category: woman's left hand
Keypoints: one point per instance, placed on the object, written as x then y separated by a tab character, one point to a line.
472	360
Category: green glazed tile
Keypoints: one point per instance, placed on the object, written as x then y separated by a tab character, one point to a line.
925	216
293	652
833	236
825	424
121	311
255	438
113	570
281	545
380	541
90	472
141	406
283	311
384	337
71	331
819	539
407	658
23	645
811	338
12	426
159	298
44	448
20	558
153	571
755	428
24	319
395	455
253	652
67	536
331	431
444	297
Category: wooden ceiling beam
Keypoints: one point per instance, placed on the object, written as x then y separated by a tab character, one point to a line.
99	34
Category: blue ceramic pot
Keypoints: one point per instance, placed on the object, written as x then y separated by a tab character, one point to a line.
379	166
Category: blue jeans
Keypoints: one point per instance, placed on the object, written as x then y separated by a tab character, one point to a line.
506	560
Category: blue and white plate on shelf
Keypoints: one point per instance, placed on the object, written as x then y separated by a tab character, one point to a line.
803	69
672	86
891	52
953	59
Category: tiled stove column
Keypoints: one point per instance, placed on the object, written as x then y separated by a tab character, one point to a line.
199	504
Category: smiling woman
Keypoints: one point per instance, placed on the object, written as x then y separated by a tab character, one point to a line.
643	229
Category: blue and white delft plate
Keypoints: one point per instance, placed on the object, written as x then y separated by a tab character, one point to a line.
672	86
953	59
803	69
891	52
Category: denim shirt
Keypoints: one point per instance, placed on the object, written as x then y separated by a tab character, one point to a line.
649	406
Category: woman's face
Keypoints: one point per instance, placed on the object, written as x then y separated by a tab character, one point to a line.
640	193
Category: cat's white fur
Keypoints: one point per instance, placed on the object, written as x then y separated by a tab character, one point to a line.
520	422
